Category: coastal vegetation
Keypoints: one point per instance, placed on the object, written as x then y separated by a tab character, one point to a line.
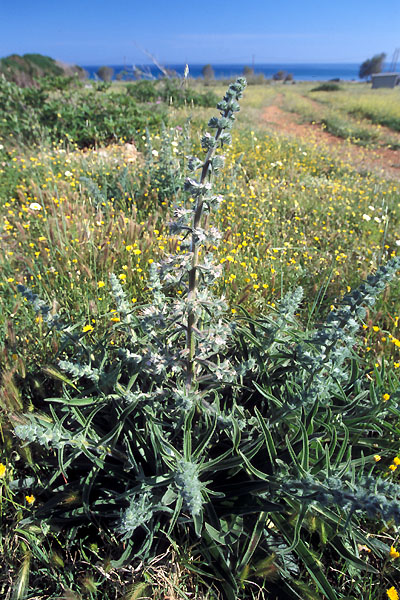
26	70
200	348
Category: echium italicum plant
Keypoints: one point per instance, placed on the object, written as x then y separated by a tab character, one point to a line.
252	442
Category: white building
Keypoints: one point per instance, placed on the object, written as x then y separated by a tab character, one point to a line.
385	80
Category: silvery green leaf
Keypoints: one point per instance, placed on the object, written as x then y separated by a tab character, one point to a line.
208	141
225	138
222	105
194	163
195	188
217	163
214	123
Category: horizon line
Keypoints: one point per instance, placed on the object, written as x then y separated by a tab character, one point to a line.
248	63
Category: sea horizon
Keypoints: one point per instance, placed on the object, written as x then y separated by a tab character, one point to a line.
300	71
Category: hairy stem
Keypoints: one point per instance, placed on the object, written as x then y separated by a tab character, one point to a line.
193	273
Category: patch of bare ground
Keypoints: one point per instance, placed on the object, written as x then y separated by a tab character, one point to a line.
381	161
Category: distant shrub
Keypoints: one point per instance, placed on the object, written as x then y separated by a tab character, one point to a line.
205	99
170	91
105	73
253	78
279	75
248	71
208	72
143	91
329	86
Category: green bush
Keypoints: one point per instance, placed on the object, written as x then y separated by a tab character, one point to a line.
59	82
170	91
329	86
81	117
105	73
143	91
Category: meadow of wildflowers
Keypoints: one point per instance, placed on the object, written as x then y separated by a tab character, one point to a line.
291	213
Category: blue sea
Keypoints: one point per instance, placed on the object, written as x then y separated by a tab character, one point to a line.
300	71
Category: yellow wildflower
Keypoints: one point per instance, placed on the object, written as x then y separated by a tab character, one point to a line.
392	467
396	460
87	328
2	470
385	397
392	593
393	552
377	458
30	499
100	284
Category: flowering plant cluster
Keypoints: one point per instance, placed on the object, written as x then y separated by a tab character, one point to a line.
239	438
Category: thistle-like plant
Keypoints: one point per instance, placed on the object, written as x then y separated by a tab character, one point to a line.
239	439
205	200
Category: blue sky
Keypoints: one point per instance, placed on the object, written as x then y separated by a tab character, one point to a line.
176	31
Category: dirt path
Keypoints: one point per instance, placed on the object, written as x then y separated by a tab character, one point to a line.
383	161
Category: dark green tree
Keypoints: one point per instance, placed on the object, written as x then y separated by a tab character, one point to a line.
208	72
372	65
279	75
105	73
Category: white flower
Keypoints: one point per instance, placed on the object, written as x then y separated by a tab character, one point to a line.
1	146
366	217
154	152
68	174
35	206
397	242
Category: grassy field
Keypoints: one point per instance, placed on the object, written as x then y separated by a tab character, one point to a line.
298	210
294	214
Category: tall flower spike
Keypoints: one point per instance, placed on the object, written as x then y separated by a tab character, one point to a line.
200	191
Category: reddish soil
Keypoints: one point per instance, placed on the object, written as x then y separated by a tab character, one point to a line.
383	161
